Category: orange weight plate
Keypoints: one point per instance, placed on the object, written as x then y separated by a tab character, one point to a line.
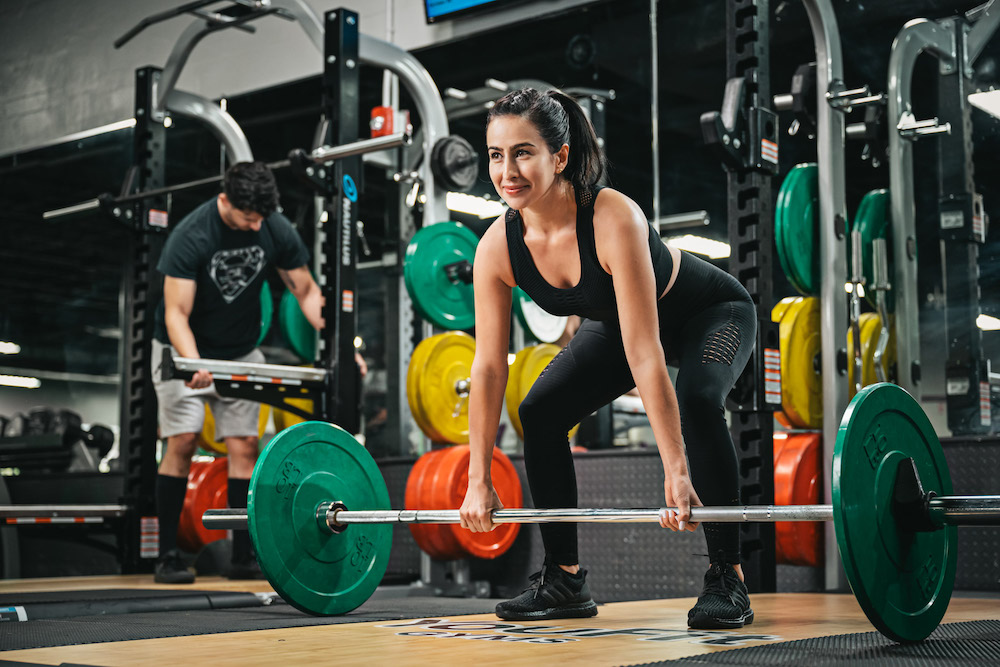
450	493
207	488
436	540
797	472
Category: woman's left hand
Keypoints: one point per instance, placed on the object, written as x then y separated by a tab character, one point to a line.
679	493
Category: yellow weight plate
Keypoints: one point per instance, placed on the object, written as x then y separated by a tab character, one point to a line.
801	382
448	364
283	420
512	394
871	327
417	367
535	361
207	440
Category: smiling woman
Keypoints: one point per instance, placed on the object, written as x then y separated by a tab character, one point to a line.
577	248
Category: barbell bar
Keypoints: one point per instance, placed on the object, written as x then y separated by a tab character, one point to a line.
322	155
319	517
335	517
942	510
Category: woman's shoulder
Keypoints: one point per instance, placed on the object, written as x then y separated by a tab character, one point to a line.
492	250
613	208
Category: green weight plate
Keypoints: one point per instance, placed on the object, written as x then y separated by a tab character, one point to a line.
298	333
445	303
795	220
902	579
540	324
872	220
266	311
311	568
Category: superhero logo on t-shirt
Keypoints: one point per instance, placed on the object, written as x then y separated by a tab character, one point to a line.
233	270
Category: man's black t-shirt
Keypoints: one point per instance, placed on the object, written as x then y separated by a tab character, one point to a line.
228	267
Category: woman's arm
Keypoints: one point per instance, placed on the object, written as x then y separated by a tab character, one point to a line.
622	238
492	281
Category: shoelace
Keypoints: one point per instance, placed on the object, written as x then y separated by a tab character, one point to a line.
718	586
537	580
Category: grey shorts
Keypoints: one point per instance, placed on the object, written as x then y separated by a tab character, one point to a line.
182	410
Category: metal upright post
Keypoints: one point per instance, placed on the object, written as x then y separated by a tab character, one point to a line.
832	245
141	292
338	275
751	234
962	230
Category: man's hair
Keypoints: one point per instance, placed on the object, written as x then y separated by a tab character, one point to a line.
250	186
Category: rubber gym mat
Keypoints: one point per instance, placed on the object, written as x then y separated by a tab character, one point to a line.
11	598
96	629
69	604
968	643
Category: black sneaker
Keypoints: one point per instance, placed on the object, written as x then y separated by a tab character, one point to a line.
554	593
245	569
724	602
171	569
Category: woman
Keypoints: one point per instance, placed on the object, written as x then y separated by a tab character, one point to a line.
576	248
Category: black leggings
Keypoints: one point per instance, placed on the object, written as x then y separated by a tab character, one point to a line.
710	348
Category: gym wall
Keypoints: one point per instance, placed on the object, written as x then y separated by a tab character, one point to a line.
60	73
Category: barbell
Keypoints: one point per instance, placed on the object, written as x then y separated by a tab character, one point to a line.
319	518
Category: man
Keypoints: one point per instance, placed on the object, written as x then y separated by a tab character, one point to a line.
213	264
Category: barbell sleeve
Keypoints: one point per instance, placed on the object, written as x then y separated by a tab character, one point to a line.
965	510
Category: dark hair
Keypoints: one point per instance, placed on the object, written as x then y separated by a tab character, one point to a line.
560	120
250	186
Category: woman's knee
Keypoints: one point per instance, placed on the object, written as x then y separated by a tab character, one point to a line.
700	402
539	413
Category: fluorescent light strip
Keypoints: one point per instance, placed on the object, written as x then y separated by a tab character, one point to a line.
20	381
701	245
9	348
988	101
988	323
473	205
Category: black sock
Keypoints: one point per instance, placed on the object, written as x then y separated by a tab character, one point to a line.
169	503
237	493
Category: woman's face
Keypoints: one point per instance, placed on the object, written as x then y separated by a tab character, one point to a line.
521	166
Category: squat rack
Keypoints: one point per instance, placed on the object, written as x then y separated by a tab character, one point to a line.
142	205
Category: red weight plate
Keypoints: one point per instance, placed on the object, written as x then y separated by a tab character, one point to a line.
208	484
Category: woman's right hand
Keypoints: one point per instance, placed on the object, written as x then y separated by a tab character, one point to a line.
476	512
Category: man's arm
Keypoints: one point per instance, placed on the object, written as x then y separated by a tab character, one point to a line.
300	283
178	301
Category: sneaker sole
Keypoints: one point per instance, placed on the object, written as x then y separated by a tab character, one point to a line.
174	580
704	622
580	611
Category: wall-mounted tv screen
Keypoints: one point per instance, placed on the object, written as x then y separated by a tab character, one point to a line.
438	10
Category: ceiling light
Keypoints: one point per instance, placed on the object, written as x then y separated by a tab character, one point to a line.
473	205
988	323
988	101
9	348
701	245
20	381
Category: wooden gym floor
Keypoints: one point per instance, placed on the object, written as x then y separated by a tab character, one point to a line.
621	633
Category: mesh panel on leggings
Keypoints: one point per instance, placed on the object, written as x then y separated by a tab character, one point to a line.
721	346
